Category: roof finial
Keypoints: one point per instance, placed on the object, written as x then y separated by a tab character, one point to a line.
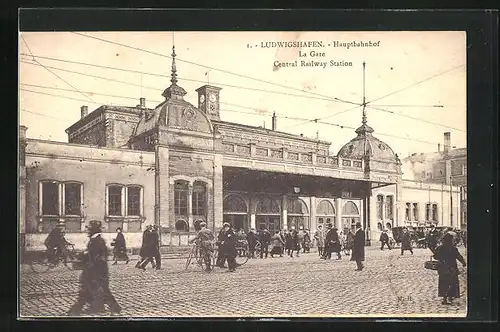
363	119
174	69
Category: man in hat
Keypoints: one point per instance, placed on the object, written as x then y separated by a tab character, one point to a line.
432	238
94	280
228	247
206	242
56	243
221	258
384	239
358	249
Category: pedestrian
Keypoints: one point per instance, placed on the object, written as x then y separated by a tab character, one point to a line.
228	246
349	240
221	257
307	241
319	236
358	249
289	243
265	241
406	241
94	279
119	247
278	244
143	254
155	246
447	255
384	239
283	239
252	242
150	249
432	238
295	242
301	234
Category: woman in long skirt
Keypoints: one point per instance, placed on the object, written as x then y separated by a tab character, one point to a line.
447	255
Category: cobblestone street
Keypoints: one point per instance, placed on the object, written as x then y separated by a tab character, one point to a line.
390	285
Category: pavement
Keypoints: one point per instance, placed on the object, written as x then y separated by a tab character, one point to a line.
390	286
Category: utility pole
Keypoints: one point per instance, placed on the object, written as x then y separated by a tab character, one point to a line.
451	203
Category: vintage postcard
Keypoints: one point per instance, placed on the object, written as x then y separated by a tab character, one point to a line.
243	174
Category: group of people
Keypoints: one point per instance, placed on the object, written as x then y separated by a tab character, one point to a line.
94	279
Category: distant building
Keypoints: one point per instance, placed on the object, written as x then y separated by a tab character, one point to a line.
447	167
177	165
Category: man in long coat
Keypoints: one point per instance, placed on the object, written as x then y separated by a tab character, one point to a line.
319	236
228	246
94	280
265	241
406	241
358	249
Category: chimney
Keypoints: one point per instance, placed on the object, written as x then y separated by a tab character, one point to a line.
447	142
142	102
85	111
274	121
439	147
22	132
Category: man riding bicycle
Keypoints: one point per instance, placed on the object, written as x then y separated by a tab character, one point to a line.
56	243
205	241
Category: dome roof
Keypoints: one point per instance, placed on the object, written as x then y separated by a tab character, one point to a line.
174	112
365	144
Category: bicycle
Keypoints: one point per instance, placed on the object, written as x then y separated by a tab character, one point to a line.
198	254
43	263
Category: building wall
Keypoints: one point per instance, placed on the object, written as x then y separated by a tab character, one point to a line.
94	168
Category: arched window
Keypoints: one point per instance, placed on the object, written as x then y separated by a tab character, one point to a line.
199	199
234	203
297	206
350	209
350	215
325	208
267	205
388	226
181	226
380	205
379	226
181	198
325	213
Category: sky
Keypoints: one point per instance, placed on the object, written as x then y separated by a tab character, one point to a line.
406	75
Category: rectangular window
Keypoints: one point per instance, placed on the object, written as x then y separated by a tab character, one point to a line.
72	199
199	203
180	200
380	205
434	212
389	208
408	213
50	198
133	201
428	211
115	200
415	211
